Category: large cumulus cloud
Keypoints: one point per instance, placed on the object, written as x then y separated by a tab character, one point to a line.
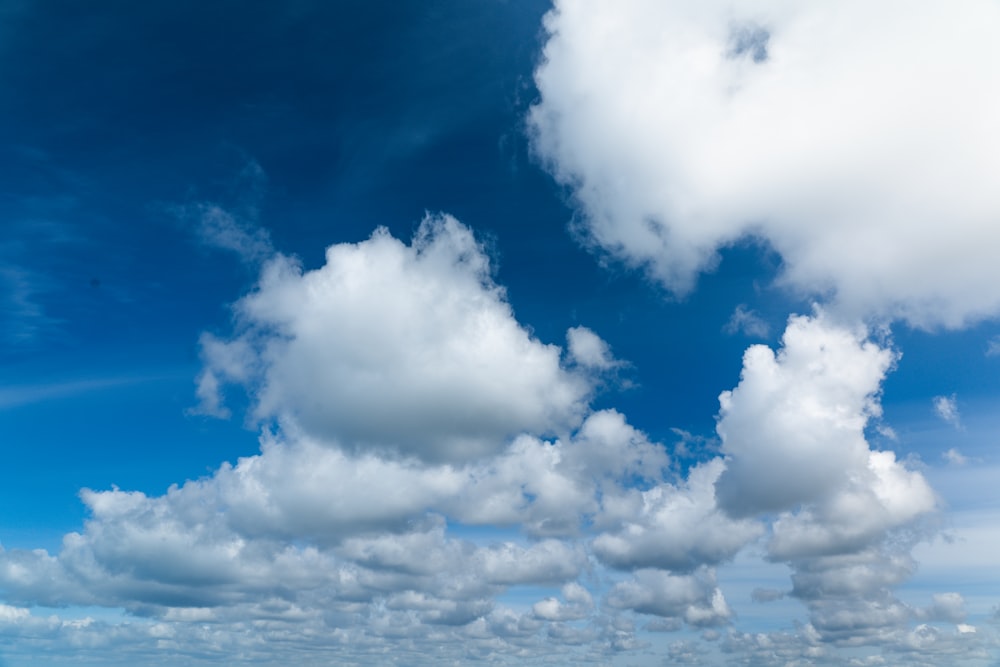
411	348
858	140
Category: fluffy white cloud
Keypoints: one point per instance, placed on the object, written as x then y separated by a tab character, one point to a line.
677	528
577	604
308	539
794	427
550	488
589	350
859	141
400	348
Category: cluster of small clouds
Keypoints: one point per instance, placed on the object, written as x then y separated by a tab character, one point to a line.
822	132
377	380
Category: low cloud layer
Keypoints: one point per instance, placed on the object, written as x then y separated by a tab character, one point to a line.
329	532
859	141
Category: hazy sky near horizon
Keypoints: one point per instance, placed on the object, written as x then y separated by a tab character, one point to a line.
617	332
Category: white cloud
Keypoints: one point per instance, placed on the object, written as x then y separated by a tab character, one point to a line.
993	347
678	529
946	407
588	349
846	517
955	457
694	598
577	604
794	427
857	140
550	488
400	348
748	322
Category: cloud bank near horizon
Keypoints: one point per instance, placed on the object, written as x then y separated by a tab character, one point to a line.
361	535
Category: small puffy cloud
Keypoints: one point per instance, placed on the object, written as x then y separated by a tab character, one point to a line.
946	407
822	131
395	347
746	321
955	457
576	604
589	350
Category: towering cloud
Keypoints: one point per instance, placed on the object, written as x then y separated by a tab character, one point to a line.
858	140
845	516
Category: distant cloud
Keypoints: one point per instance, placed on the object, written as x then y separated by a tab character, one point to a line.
766	594
946	407
993	347
589	350
682	130
955	457
233	227
221	229
748	322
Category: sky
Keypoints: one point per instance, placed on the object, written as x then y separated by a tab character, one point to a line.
423	332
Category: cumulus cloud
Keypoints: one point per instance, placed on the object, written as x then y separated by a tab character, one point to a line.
406	348
857	141
793	428
576	604
694	598
845	516
307	539
677	529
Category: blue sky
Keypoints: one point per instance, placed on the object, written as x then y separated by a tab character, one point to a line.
627	333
